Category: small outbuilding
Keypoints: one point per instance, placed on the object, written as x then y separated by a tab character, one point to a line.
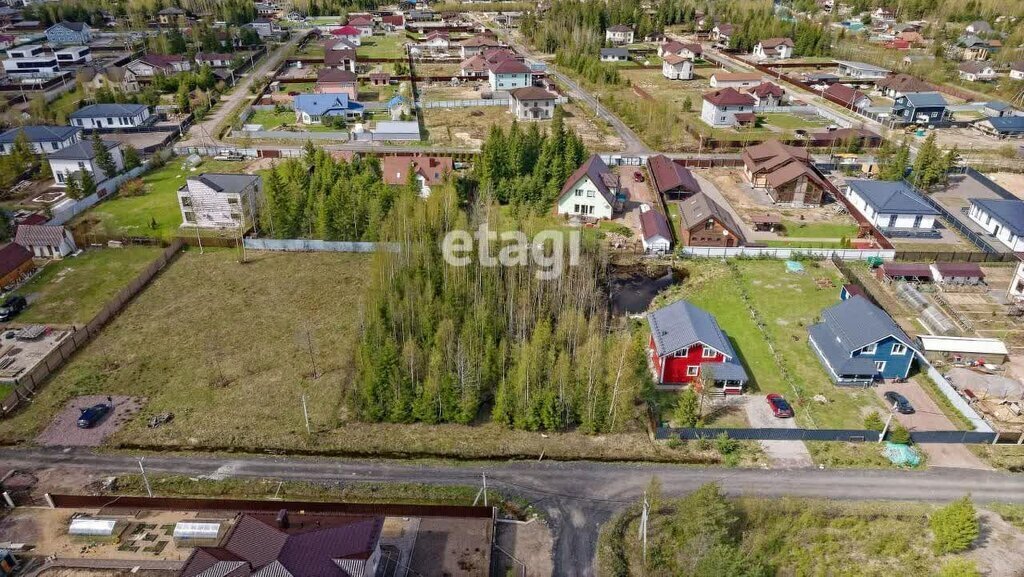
657	235
957	273
45	241
904	272
963	349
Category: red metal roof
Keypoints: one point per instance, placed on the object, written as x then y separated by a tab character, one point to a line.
729	97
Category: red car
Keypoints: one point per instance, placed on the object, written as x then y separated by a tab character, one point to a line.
780	407
638	176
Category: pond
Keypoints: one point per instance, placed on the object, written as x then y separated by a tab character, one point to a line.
631	289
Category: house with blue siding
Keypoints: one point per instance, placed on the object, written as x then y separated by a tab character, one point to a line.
919	107
858	343
69	33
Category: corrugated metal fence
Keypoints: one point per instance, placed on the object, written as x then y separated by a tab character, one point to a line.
306	245
846	435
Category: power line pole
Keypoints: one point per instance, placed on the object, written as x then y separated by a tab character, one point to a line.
305	414
643	526
145	479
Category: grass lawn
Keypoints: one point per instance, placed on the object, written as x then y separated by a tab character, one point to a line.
73	290
788	121
300	87
788	304
270	119
382	47
796	229
133	215
791	536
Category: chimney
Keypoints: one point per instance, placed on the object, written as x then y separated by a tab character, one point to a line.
282	519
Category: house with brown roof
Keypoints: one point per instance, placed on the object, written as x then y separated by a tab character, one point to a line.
340	54
784	172
45	241
15	262
704	222
690	50
844	136
775	48
896	85
671	179
592	191
619	34
656	234
735	79
475	65
676	67
532	103
847	96
727	107
478	44
336	81
768	95
428	171
362	23
975	71
292	545
722	34
508	75
393	22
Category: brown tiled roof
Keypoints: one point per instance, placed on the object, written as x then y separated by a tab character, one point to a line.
729	97
532	93
844	93
653	223
672	46
475	62
669	176
772	154
904	83
766	89
509	67
395	169
699	207
791	172
481	40
12	257
674	59
336	57
769	43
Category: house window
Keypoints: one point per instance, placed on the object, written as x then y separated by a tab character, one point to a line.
186	201
917	221
899	349
879	366
692	371
190	217
708	353
709	225
680	353
870	349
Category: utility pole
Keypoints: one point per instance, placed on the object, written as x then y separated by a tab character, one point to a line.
145	479
885	429
644	515
305	414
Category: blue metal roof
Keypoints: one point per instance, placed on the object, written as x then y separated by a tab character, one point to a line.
1007	124
40	133
1010	213
856	323
997	105
891	197
321	104
109	110
837	357
925	99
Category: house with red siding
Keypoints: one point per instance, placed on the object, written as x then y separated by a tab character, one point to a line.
688	347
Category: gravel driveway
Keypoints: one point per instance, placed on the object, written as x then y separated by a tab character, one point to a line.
63	431
784	454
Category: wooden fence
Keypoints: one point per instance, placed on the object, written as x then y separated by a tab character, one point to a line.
26	385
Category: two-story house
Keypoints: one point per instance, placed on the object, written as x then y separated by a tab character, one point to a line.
675	67
509	75
858	343
81	157
687	347
213	200
31	61
774	48
919	107
975	71
727	107
73	56
593	191
69	33
532	103
704	222
619	34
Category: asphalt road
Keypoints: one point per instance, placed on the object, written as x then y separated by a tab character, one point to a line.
577	497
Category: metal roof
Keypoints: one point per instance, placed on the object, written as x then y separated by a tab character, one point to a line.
1006	123
835	355
857	323
227	183
109	110
861	66
941	344
925	99
92	527
29	235
654	224
81	150
669	175
614	52
1008	212
891	197
682	324
40	133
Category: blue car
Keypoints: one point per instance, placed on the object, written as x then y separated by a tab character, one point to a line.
93	415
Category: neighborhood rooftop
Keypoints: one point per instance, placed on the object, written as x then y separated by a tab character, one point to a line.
109	110
39	133
891	197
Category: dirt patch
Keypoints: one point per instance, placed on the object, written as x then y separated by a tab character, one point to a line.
530	544
1012	181
999	550
64	431
452	548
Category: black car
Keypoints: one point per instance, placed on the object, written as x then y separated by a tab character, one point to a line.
93	415
899	402
11	307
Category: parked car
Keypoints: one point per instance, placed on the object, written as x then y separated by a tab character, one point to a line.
11	307
780	407
93	415
638	176
899	402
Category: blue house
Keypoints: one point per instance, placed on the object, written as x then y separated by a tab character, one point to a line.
1002	126
859	343
923	107
64	33
312	108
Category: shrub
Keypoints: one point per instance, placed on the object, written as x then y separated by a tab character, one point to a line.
873	422
725	445
954	527
686	409
899	434
704	444
959	567
133	187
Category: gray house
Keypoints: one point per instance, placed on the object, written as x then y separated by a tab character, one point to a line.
65	33
43	139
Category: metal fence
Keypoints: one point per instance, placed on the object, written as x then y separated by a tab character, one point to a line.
341	136
465	103
266	506
786	253
842	435
953	221
306	245
26	385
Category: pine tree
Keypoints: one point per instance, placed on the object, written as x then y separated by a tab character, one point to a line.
954	527
87	182
104	160
131	157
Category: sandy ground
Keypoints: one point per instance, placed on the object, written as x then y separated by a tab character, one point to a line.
452	548
529	544
999	550
783	454
63	431
1012	181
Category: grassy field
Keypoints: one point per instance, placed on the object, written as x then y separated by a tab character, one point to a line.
271	119
796	229
788	121
790	536
382	47
788	304
134	215
73	290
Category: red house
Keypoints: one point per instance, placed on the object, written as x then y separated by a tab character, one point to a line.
686	342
